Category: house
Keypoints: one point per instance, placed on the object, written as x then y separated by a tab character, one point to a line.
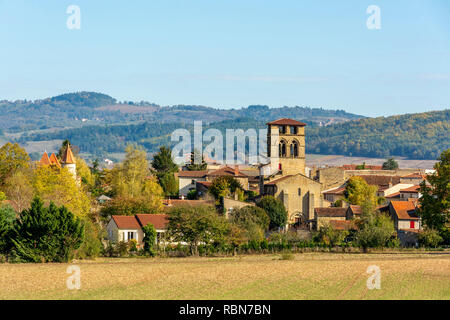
126	228
334	194
413	178
407	223
188	179
103	199
324	216
410	193
353	212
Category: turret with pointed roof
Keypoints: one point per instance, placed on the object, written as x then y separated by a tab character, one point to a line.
69	162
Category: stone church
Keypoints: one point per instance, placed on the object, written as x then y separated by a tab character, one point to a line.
284	176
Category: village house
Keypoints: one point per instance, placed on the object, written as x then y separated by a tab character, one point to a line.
410	193
188	179
324	216
126	228
407	223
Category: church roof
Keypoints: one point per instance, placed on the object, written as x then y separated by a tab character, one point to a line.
287	122
68	157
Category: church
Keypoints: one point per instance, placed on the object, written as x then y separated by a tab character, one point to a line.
284	177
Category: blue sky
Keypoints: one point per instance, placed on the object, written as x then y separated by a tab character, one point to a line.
232	53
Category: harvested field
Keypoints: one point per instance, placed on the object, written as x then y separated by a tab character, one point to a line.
307	276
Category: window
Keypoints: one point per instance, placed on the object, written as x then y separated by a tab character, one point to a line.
282	129
412	225
293	130
131	235
282	149
294	149
193	182
300	192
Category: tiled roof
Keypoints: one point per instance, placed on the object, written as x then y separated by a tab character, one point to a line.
54	160
159	221
405	210
45	160
126	222
366	167
192	174
413	189
393	196
380	181
68	157
287	122
338	191
357	210
190	203
227	171
206	184
274	182
342	224
330	212
415	175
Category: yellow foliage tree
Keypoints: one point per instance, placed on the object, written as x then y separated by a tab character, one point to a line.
84	172
57	185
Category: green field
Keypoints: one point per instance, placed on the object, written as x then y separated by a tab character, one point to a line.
306	276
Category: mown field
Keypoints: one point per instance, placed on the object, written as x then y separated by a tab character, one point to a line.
306	276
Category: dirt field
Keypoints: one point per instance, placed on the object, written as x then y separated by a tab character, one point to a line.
307	276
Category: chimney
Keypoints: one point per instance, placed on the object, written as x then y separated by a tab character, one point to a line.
236	170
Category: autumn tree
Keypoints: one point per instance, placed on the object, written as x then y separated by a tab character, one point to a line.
12	158
19	190
224	186
57	185
358	191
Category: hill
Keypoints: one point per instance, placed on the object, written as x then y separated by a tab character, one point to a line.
90	108
414	136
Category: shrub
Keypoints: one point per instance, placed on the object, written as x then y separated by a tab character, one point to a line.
430	238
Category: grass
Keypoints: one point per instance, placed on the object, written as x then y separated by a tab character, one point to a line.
302	276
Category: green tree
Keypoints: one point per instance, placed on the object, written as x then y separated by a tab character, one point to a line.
250	214
224	186
330	236
358	191
374	228
434	206
430	238
162	161
197	157
275	210
390	164
149	239
47	234
12	158
199	225
7	218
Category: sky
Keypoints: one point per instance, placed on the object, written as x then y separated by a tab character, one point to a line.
232	53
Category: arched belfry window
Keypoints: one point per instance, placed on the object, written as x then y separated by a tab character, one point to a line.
294	149
282	149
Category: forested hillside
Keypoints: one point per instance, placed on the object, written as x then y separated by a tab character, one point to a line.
90	108
415	136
